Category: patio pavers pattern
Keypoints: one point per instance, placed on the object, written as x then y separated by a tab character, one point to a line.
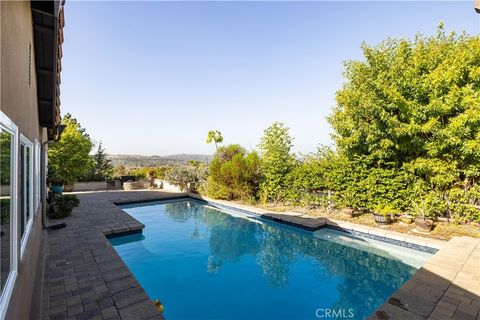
84	278
446	287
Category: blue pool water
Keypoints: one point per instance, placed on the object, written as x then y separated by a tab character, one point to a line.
203	263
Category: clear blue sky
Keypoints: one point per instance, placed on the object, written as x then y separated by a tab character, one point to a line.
154	77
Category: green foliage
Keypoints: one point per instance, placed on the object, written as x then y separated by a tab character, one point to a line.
407	125
70	157
102	166
5	210
422	209
233	174
141	172
464	205
356	178
182	175
214	136
348	199
5	157
386	210
415	104
277	161
64	205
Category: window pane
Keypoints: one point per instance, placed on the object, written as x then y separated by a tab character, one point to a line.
27	180
6	154
22	190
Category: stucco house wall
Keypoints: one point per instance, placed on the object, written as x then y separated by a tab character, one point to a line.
18	92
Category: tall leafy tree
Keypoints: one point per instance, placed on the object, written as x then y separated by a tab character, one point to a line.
414	104
70	157
277	160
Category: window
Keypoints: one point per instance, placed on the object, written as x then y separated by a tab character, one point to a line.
8	209
37	177
26	185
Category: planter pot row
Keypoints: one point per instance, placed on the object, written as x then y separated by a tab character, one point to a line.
421	224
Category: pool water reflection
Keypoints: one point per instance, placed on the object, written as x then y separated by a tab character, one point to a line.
203	263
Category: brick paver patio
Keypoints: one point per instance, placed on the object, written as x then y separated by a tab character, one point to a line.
84	278
446	287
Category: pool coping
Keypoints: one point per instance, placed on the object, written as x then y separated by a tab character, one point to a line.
313	224
316	223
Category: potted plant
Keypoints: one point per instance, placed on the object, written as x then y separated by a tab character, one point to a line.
64	204
56	185
348	202
406	218
384	214
422	211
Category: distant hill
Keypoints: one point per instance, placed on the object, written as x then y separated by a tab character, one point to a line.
134	160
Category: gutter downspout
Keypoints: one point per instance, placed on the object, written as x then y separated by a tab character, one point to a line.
43	165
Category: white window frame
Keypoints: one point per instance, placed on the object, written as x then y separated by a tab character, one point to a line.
29	196
9	126
37	175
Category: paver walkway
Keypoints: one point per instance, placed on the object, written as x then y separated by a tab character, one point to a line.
84	278
446	287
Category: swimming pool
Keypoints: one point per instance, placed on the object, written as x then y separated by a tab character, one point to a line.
203	263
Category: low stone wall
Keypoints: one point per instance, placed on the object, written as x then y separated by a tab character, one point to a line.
170	187
90	186
167	186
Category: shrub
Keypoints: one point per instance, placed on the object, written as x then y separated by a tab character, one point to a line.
182	175
386	210
233	174
64	205
463	205
423	209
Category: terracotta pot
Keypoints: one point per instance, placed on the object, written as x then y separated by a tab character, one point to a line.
348	211
381	219
425	225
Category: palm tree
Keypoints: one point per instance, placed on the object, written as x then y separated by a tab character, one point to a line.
215	136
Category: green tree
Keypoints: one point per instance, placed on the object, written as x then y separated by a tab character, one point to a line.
277	160
233	174
102	166
415	105
214	136
70	157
